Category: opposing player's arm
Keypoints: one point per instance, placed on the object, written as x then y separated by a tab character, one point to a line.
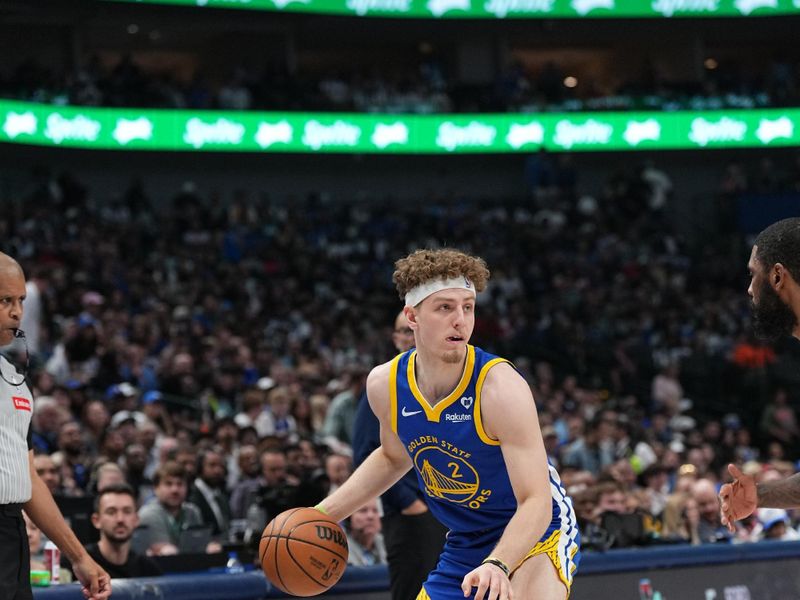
509	415
780	494
381	469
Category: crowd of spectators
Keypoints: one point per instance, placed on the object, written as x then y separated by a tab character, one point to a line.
209	350
426	87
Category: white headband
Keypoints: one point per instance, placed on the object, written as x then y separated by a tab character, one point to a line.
419	293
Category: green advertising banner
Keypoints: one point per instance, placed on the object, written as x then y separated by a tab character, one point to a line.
182	130
508	9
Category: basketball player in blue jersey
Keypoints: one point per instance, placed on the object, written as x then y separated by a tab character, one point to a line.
466	422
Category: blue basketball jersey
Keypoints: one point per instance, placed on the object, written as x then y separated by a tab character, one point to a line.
460	468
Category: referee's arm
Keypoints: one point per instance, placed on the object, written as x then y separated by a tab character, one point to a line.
42	510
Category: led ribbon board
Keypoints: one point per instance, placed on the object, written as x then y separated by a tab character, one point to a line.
508	9
223	131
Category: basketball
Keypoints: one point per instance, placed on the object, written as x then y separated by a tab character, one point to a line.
303	552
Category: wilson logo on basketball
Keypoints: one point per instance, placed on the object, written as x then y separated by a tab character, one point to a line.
328	533
21	403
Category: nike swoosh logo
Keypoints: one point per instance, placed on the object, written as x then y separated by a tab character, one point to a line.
409	413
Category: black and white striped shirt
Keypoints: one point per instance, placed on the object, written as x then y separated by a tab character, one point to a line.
16	409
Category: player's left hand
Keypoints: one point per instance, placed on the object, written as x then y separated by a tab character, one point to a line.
738	499
491	582
95	582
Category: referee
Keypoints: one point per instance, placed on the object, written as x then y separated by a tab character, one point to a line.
20	485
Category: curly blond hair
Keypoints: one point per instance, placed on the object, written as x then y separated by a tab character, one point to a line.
422	266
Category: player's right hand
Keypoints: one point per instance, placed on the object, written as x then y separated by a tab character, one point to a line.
491	582
738	499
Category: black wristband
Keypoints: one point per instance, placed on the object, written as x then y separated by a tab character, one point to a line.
497	563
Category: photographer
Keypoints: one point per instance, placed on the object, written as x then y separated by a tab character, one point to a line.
276	492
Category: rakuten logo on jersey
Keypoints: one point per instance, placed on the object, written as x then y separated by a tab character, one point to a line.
457	418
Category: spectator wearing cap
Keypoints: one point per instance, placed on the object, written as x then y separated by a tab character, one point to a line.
122	396
776	525
154	409
127	422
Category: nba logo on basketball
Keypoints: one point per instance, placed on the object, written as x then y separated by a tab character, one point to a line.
327	533
21	403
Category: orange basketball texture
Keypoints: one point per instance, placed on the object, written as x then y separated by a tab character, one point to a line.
303	552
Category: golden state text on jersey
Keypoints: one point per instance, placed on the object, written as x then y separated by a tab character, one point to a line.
460	468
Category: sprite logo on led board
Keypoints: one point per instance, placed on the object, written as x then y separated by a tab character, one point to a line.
251	131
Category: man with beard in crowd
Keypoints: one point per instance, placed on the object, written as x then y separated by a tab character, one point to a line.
775	292
115	517
208	492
